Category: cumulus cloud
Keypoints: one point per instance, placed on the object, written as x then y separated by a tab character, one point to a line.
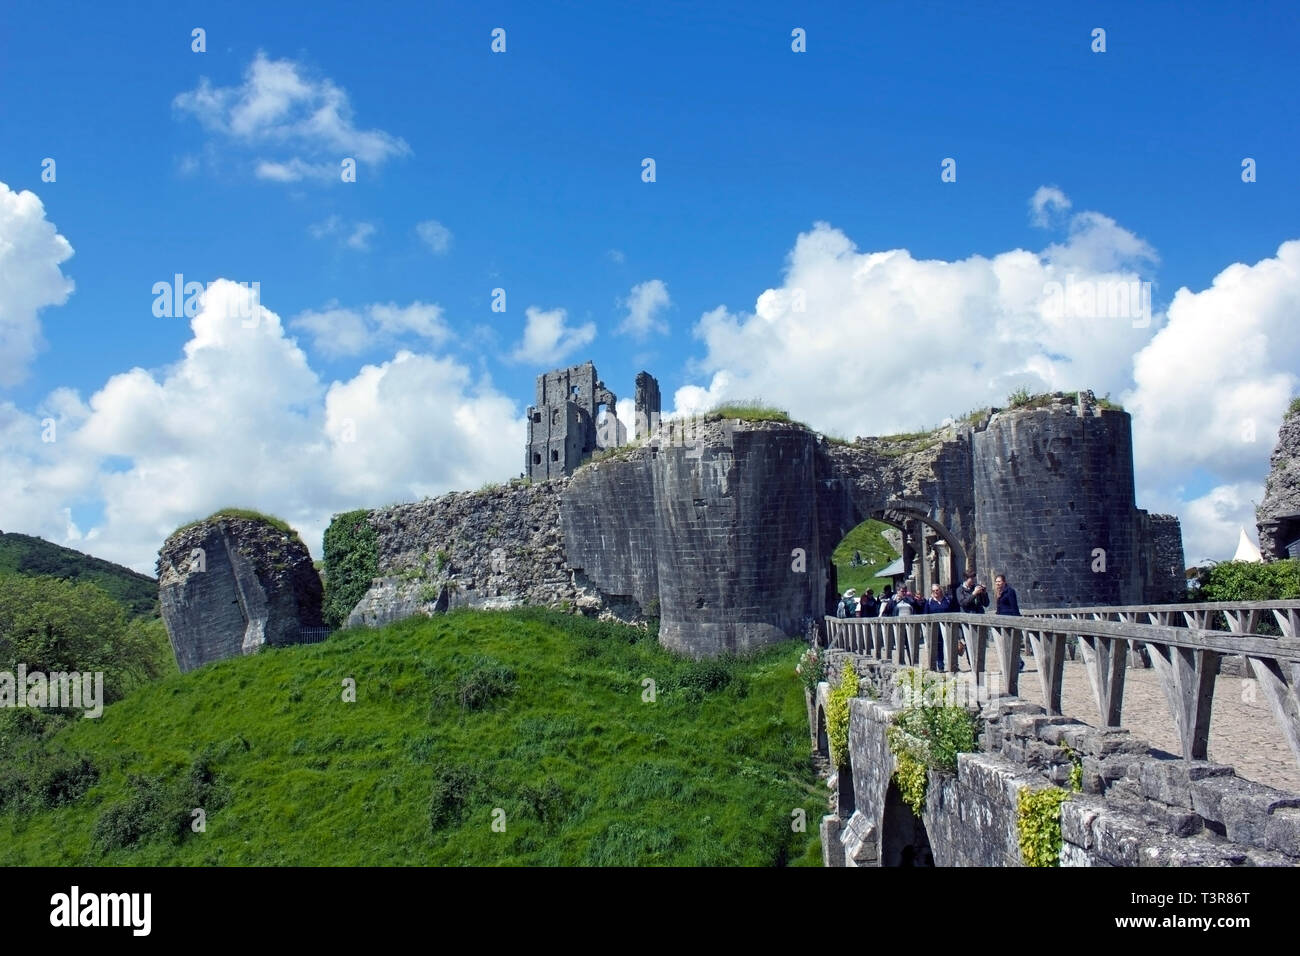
1045	203
643	304
336	331
304	122
1210	388
548	338
242	418
31	251
872	342
434	235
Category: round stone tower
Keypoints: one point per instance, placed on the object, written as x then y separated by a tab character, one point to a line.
1054	504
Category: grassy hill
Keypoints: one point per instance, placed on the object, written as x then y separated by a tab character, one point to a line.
35	557
876	552
530	718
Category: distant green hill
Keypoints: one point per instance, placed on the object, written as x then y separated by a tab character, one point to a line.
536	721
35	557
876	554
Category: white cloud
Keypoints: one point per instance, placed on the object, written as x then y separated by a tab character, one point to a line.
31	251
280	108
1046	202
548	339
337	331
357	233
435	235
643	303
616	256
360	238
868	343
242	418
1212	523
1211	387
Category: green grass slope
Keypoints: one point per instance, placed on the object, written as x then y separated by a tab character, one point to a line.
476	738
876	552
34	557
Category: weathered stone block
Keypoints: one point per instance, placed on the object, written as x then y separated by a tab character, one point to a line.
1169	781
832	848
1282	832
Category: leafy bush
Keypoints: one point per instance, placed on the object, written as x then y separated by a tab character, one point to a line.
1250	581
483	681
928	734
1038	820
351	563
53	626
453	785
837	715
159	809
1018	398
811	670
43	781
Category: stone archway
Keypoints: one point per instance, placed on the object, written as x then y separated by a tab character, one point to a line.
903	837
907	517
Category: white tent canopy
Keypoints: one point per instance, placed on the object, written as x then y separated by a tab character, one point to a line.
1246	550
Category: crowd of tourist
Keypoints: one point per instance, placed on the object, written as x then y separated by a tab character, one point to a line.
970	597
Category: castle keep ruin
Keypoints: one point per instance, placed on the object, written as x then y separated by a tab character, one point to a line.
724	529
726	535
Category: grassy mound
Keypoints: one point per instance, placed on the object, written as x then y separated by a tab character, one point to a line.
476	738
876	552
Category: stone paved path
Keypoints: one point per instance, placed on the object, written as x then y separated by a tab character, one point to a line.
1243	732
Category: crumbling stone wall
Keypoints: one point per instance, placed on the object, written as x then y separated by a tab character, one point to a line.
229	585
497	548
1278	517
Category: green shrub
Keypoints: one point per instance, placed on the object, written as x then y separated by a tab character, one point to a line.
159	809
246	513
62	626
837	715
1018	398
351	563
928	734
1038	821
482	681
1251	581
453	786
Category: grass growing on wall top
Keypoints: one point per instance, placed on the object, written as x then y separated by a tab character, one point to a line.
248	513
535	713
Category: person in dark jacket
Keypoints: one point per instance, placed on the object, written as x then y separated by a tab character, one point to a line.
886	604
868	606
972	598
1007	603
939	603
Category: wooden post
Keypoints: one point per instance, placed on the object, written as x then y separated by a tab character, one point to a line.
1049	652
1006	641
1280	681
1187	676
1104	658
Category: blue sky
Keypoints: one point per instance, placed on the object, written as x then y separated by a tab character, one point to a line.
522	170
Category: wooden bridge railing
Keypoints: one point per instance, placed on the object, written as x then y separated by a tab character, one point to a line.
1185	658
1241	617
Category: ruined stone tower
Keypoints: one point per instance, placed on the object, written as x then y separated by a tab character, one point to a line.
565	424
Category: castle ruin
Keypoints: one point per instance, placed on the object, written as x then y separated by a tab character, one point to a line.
565	425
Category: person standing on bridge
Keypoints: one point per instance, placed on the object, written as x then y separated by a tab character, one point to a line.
1007	603
939	603
886	604
972	598
868	606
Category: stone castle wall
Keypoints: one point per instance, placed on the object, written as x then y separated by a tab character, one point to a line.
229	585
1052	487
